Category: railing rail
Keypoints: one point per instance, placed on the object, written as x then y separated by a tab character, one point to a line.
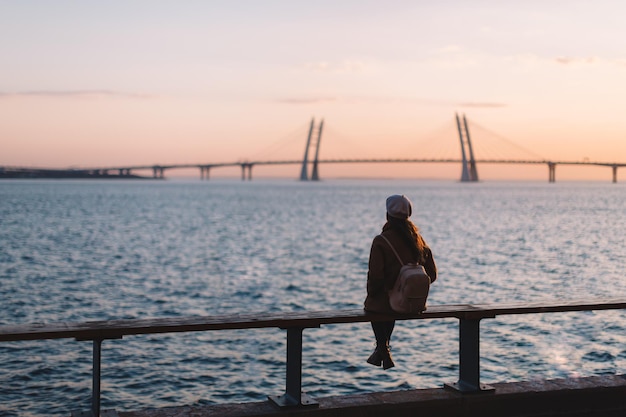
469	316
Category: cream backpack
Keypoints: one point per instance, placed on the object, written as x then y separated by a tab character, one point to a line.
409	293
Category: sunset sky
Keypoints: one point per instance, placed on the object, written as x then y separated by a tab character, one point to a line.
113	83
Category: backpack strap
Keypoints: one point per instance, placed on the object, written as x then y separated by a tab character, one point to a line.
393	249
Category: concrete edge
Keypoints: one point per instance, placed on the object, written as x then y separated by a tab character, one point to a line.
589	396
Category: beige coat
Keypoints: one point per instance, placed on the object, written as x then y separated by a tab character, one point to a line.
384	268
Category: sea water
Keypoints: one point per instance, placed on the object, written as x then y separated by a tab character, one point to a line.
97	250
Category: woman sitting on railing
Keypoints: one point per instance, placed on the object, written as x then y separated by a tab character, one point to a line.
403	237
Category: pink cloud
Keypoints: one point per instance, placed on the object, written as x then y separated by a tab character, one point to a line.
73	94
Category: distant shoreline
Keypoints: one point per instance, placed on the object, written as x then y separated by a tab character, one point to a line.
65	174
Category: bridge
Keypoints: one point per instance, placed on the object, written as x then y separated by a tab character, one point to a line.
467	161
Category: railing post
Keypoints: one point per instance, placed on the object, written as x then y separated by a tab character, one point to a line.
95	386
96	378
469	358
293	396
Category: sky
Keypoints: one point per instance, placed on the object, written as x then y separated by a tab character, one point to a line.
115	83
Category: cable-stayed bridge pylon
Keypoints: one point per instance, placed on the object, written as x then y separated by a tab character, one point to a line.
304	173
469	171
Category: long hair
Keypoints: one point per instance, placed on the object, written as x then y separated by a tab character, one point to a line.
410	234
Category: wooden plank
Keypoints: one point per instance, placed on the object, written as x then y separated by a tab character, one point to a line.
114	329
551	307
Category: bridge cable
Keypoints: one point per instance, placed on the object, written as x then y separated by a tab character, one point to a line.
298	134
503	139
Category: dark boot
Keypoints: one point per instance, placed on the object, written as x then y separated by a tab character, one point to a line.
387	361
375	358
382	356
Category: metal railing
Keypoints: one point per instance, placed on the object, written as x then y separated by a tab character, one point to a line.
469	316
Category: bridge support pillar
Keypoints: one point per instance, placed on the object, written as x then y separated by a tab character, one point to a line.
551	172
204	173
248	168
158	172
614	173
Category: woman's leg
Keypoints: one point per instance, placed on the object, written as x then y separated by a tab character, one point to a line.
382	333
389	325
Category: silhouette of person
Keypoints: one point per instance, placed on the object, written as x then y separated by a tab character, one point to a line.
384	268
